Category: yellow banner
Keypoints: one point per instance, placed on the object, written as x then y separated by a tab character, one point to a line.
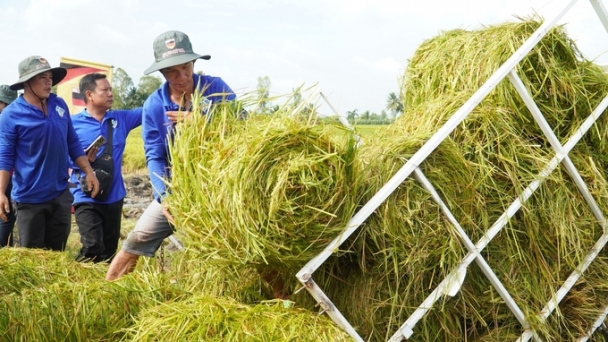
68	88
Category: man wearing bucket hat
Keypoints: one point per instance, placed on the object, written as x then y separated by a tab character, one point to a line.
36	139
7	95
6	227
174	58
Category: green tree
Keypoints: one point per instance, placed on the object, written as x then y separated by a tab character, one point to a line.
352	115
121	87
147	85
394	104
383	115
133	99
263	92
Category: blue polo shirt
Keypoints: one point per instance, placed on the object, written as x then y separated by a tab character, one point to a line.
88	128
156	127
37	147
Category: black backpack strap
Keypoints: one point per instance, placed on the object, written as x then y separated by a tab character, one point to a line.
109	145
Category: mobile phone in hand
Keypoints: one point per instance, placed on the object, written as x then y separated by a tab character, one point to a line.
99	141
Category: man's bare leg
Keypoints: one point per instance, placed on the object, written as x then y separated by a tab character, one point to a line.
123	263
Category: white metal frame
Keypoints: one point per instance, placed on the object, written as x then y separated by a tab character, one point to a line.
451	284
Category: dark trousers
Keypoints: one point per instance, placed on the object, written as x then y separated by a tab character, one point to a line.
99	227
6	228
45	225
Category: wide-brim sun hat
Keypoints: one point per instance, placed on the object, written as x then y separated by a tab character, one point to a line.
33	66
170	49
6	94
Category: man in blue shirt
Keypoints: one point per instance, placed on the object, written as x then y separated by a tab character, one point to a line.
36	140
99	221
175	60
6	227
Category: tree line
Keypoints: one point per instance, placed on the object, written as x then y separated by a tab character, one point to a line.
394	106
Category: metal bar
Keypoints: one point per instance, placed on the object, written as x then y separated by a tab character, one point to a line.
329	308
568	284
536	113
431	144
342	119
598	322
407	328
481	262
176	242
556	144
599	8
306	272
591	119
584	190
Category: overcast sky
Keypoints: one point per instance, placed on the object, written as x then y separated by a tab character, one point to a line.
355	51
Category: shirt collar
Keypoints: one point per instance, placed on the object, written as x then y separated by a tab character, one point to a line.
167	103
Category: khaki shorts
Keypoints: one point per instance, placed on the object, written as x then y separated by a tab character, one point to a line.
149	232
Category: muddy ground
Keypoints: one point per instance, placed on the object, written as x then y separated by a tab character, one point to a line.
139	195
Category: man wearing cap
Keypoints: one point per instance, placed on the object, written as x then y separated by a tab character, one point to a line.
6	227
6	96
175	59
36	139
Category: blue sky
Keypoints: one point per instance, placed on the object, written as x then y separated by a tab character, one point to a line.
354	51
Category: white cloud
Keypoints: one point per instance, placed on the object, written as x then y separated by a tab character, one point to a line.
389	65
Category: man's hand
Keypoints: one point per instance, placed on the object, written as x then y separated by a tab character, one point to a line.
92	183
176	116
168	215
92	154
5	207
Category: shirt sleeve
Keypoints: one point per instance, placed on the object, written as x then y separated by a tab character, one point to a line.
154	132
133	118
7	142
217	90
75	148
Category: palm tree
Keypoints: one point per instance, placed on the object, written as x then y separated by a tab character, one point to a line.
394	104
352	115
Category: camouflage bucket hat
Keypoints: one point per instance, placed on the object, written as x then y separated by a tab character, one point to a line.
33	66
170	49
6	94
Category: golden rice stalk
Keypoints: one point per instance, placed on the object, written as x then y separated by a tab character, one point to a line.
81	311
204	318
24	269
269	191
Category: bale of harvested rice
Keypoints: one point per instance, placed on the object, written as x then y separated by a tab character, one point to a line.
22	269
191	271
81	311
269	191
204	318
409	246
